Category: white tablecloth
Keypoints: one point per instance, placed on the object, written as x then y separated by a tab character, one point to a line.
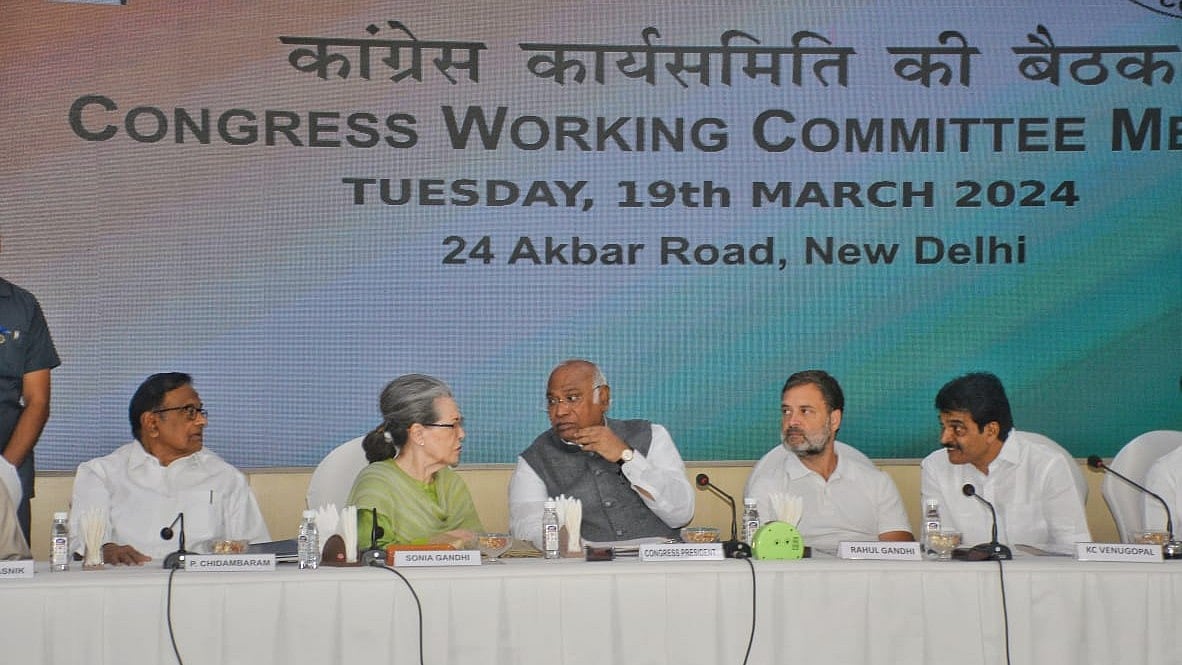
624	612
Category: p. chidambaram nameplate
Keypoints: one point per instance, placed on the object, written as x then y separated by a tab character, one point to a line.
1118	552
681	552
11	570
226	563
410	558
881	551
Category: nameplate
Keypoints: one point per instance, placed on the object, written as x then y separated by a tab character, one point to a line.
880	551
11	570
227	563
1118	552
681	552
411	558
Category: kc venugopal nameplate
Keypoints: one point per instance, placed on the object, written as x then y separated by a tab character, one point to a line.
1118	552
880	551
681	552
410	558
225	563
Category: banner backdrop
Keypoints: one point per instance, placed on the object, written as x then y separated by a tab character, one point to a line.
298	201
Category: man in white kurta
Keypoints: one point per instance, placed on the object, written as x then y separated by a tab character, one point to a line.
143	485
1029	481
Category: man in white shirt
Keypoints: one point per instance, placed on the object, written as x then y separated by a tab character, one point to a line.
1165	479
143	485
12	541
627	473
1029	481
844	496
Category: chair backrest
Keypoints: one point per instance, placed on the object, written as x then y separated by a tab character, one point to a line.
1125	502
1081	483
334	476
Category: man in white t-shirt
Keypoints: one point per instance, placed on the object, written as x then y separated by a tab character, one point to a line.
845	497
1165	479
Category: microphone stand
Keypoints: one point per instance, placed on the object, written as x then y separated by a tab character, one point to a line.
733	548
175	559
992	550
1172	549
374	556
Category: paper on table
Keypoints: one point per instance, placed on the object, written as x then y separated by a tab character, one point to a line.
327	518
93	523
570	517
347	530
786	507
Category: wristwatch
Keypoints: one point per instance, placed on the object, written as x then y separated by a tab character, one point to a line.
626	456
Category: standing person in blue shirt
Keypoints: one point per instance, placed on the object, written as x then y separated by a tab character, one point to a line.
27	355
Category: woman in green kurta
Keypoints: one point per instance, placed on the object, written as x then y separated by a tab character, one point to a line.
418	497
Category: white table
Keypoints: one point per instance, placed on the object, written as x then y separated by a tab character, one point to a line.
625	612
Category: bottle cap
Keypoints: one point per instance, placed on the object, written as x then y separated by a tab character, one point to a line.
61	516
750	502
551	503
931	501
309	514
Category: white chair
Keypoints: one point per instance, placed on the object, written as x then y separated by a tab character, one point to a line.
334	476
1125	502
1081	483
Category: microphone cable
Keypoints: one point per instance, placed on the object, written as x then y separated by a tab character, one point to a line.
168	617
751	638
418	605
1005	612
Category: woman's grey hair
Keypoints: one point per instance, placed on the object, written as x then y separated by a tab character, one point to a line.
407	400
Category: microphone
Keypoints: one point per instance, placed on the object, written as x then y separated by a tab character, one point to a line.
177	558
374	555
1173	548
733	548
992	550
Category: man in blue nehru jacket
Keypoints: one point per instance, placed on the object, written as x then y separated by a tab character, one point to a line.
627	473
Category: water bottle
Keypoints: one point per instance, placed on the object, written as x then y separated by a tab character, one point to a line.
59	543
550	529
309	542
750	520
931	524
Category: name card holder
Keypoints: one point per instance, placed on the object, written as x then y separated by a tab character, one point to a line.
681	552
1118	552
20	569
227	563
880	551
422	558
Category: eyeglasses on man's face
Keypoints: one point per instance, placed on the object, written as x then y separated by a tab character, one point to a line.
572	400
189	411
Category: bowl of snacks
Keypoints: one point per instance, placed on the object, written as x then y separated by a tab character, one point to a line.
228	546
699	534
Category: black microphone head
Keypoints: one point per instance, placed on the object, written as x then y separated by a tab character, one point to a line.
379	532
703	480
968	489
1095	462
166	533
